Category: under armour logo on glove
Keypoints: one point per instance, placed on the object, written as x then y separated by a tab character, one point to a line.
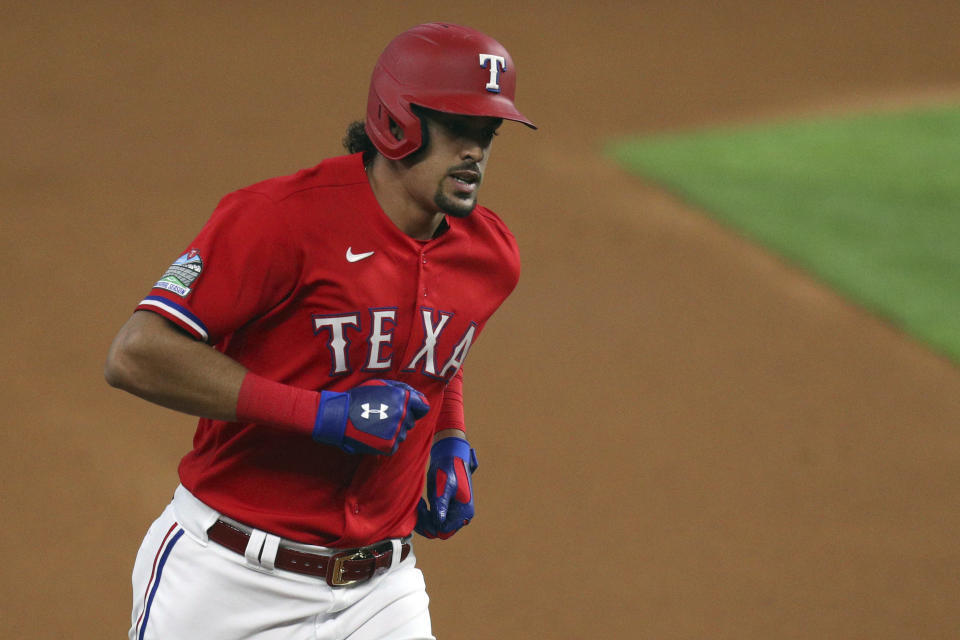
347	420
449	489
382	411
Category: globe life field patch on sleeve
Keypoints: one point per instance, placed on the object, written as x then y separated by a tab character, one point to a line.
181	275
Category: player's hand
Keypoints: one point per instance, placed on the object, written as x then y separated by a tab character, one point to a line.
449	489
373	417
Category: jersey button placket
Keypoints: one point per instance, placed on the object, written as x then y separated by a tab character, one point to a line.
421	270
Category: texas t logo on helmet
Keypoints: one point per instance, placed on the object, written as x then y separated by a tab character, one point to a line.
496	64
435	66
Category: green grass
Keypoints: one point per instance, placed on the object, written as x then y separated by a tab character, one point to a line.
870	204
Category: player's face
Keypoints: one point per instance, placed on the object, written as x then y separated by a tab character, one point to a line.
452	166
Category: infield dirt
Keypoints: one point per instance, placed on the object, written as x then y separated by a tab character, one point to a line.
681	436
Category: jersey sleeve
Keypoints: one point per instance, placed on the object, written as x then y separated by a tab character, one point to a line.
451	407
242	263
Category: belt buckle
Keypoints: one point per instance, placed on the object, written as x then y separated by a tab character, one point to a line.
335	578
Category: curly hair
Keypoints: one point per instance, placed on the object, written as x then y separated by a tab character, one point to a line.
357	140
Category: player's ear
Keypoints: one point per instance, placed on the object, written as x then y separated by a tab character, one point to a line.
422	115
395	129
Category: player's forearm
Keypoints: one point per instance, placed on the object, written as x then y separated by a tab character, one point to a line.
449	433
155	361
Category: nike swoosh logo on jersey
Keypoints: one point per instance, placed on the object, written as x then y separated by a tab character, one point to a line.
356	257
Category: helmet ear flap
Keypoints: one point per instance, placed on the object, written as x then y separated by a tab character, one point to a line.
383	123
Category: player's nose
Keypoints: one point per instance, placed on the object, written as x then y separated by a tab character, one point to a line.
472	149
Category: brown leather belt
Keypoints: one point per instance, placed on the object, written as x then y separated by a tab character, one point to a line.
345	568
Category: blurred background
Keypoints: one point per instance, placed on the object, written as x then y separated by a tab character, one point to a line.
682	434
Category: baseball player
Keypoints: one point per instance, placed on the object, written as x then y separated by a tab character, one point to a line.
318	326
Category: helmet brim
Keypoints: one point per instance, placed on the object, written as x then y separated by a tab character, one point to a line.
490	106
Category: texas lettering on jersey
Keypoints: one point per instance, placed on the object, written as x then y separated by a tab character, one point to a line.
341	330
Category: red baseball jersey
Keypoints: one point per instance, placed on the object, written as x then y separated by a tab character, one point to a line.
305	280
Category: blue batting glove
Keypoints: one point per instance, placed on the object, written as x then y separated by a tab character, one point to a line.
449	489
372	418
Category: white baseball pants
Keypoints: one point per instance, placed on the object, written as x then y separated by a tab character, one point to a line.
186	587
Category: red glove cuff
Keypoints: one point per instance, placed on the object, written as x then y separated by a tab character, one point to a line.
451	411
267	402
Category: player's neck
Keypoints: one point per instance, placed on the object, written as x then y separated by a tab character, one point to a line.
410	216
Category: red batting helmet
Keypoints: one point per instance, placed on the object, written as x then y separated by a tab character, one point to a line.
444	67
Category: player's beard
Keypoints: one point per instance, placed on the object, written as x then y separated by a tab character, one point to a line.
458	204
456	207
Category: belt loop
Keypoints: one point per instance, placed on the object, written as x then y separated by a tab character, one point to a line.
395	559
254	547
269	554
